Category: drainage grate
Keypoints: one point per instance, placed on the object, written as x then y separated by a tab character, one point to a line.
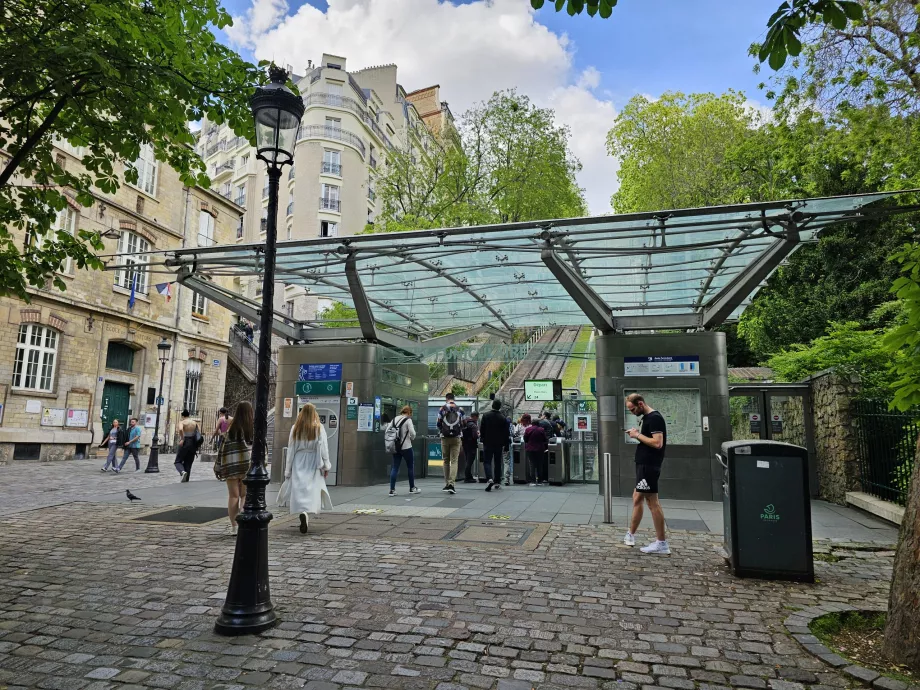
185	516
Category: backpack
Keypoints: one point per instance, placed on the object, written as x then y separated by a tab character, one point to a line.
450	423
391	438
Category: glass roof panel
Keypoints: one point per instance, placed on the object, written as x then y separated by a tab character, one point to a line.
670	262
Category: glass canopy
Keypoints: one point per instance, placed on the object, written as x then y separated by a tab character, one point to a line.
426	282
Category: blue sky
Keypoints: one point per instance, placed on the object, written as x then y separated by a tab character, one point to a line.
585	68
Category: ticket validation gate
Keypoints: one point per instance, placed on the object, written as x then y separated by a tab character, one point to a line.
776	412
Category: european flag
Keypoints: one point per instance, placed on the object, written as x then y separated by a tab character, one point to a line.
133	290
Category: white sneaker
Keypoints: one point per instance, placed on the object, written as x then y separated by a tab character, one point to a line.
629	539
393	492
415	490
658	547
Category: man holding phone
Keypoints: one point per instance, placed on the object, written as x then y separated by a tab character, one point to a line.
653	439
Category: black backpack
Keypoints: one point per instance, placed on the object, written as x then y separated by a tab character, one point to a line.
450	423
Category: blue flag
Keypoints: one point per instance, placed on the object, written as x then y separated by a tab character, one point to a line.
133	290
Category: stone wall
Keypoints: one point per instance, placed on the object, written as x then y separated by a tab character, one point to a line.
836	442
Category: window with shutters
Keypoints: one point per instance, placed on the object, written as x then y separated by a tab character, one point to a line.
36	355
146	166
192	381
119	356
199	305
205	229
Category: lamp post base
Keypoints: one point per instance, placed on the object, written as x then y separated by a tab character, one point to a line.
248	609
153	461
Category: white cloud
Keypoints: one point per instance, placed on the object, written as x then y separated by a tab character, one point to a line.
471	50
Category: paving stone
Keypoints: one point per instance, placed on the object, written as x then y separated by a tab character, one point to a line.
885	683
866	675
747	682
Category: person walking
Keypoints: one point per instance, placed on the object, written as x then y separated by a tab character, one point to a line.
308	465
220	430
132	445
652	437
535	445
247	329
450	426
404	436
114	440
189	440
507	454
494	434
233	459
470	446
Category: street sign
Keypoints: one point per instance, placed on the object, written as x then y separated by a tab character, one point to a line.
161	401
544	390
755	420
593	386
318	388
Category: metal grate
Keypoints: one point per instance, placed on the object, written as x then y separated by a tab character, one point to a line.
887	446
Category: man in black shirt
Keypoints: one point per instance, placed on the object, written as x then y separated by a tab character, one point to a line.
653	439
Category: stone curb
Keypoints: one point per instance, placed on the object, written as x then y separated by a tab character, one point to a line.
797	625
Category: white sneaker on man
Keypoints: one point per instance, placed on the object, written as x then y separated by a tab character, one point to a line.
629	539
657	547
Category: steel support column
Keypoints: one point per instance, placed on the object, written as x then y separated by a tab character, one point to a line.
581	293
359	299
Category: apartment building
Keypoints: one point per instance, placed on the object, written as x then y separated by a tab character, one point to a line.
71	362
352	121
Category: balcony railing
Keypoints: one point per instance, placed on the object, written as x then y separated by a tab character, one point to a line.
290	209
225	167
332	168
330	205
337	133
291	173
239	230
236	142
371	194
211	150
265	192
336	101
373	162
240	200
263	224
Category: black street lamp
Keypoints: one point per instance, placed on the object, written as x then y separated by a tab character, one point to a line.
153	462
248	608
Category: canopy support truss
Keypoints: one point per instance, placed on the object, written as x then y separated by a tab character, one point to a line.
593	306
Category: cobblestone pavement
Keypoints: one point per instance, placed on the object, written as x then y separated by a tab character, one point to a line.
91	601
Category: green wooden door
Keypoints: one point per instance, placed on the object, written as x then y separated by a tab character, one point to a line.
115	398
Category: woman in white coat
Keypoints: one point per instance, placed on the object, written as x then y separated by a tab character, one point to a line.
307	467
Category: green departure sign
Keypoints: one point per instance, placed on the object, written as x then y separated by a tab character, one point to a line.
544	390
318	388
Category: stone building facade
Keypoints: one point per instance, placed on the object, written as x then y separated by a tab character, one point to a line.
352	120
72	361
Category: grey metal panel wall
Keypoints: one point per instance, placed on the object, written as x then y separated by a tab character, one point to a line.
689	472
362	458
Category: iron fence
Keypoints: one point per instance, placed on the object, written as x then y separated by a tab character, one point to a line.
887	447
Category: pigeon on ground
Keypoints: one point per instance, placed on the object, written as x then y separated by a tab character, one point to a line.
131	497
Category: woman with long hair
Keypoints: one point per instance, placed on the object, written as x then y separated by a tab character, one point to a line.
307	467
233	459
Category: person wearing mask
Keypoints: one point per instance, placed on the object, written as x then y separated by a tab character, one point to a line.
450	427
189	441
470	446
233	459
405	435
114	440
536	444
494	434
304	488
132	445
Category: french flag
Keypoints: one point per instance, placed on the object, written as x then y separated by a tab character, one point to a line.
165	289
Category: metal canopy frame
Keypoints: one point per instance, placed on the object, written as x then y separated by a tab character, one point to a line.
687	269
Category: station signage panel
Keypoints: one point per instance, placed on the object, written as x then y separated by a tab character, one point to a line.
320	372
662	365
543	390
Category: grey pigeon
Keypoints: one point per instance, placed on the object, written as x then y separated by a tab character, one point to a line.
131	497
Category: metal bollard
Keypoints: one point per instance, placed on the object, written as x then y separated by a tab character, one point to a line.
608	490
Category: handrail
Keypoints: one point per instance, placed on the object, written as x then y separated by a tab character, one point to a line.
312	131
336	101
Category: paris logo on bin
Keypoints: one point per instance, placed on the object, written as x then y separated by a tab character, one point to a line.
769	514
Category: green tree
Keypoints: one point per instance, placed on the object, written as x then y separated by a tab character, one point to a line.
339	316
783	28
458	389
872	61
508	162
675	152
849	349
111	77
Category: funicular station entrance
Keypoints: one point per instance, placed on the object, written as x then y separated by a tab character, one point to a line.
653	286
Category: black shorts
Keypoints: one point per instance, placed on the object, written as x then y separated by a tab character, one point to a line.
647	479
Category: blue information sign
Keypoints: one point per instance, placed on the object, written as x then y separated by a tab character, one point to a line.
662	365
320	372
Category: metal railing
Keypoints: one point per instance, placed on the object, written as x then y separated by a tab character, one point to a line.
246	353
887	447
290	208
373	162
328	132
240	229
371	194
240	200
263	224
225	166
291	173
211	150
330	204
265	192
332	168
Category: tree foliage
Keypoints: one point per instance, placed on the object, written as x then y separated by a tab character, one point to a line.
507	162
109	76
338	316
783	29
849	349
873	60
903	341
